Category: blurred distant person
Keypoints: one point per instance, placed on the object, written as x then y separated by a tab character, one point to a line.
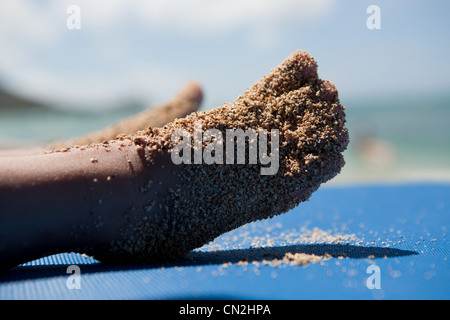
374	152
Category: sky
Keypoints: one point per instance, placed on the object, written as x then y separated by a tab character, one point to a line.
147	50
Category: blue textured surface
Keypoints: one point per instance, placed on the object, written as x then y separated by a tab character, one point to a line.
403	228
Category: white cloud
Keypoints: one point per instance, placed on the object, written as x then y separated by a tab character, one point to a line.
26	21
28	28
206	16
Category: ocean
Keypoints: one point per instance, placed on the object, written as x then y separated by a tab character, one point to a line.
391	138
398	138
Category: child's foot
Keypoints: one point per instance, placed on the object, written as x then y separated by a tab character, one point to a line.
185	102
306	120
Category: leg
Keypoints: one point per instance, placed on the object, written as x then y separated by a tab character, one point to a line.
185	102
133	204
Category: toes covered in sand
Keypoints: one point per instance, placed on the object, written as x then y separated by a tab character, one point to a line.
210	199
295	72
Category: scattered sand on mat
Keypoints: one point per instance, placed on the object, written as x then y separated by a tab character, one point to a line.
271	258
293	259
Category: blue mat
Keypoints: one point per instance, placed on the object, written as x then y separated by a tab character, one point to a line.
388	242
